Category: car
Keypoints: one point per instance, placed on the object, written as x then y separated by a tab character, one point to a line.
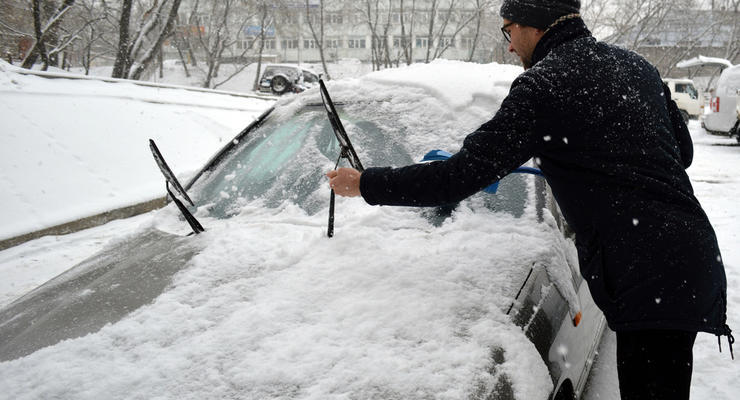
236	290
689	100
722	118
280	79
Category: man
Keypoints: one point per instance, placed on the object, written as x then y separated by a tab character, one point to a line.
613	147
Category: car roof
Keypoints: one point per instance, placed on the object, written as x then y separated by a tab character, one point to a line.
290	66
678	80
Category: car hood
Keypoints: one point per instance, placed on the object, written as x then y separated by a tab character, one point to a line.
101	290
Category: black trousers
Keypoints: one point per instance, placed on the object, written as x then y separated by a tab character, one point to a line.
655	364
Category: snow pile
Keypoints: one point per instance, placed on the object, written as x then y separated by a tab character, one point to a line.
76	148
457	83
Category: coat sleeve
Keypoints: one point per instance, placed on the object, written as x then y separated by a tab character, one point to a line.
680	130
488	154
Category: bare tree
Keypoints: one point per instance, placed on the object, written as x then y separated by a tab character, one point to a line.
43	30
406	43
264	23
91	39
123	56
370	11
430	31
732	50
318	33
154	25
223	30
445	40
156	47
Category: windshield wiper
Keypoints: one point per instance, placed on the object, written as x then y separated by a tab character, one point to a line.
346	149
172	180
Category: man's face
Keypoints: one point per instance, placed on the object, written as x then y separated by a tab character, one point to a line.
523	41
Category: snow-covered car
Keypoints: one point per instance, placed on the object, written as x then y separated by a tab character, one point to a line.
722	118
282	78
689	100
478	300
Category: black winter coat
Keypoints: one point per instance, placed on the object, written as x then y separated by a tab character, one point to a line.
611	143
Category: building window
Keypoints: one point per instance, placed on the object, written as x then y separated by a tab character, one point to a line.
289	18
422	16
289	44
379	43
421	43
309	44
446	41
466	43
401	41
356	43
334	43
270	44
334	18
314	18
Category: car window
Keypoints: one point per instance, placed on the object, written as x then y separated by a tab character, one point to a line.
272	71
688	89
285	158
309	77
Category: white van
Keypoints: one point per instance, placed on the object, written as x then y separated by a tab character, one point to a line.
688	99
723	108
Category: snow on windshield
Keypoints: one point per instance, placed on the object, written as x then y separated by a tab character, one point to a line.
392	307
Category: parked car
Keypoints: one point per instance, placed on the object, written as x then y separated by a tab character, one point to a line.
723	116
280	79
689	100
479	300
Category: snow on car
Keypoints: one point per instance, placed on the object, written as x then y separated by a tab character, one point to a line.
481	299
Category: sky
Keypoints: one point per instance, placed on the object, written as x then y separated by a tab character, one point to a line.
66	159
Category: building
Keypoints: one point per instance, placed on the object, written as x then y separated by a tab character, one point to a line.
384	36
684	34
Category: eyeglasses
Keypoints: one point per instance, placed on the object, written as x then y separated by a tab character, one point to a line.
507	34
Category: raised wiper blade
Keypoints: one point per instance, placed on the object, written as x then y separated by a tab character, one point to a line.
346	149
167	172
170	179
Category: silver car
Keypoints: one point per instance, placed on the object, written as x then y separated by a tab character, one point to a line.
477	300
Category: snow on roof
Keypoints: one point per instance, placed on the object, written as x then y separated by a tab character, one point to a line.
700	61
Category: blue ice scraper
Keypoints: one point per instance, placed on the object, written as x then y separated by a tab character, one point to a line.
439	155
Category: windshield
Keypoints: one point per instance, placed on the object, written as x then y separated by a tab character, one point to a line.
285	159
688	89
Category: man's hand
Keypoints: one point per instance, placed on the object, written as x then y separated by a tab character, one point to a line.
345	181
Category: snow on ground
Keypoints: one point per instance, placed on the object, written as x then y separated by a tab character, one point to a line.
714	175
76	148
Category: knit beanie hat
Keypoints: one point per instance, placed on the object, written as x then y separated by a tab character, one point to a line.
538	13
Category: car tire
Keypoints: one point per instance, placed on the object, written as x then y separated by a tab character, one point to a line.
685	116
735	131
279	84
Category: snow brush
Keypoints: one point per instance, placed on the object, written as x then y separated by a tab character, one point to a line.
439	155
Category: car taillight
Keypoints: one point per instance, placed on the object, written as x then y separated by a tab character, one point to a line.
714	104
